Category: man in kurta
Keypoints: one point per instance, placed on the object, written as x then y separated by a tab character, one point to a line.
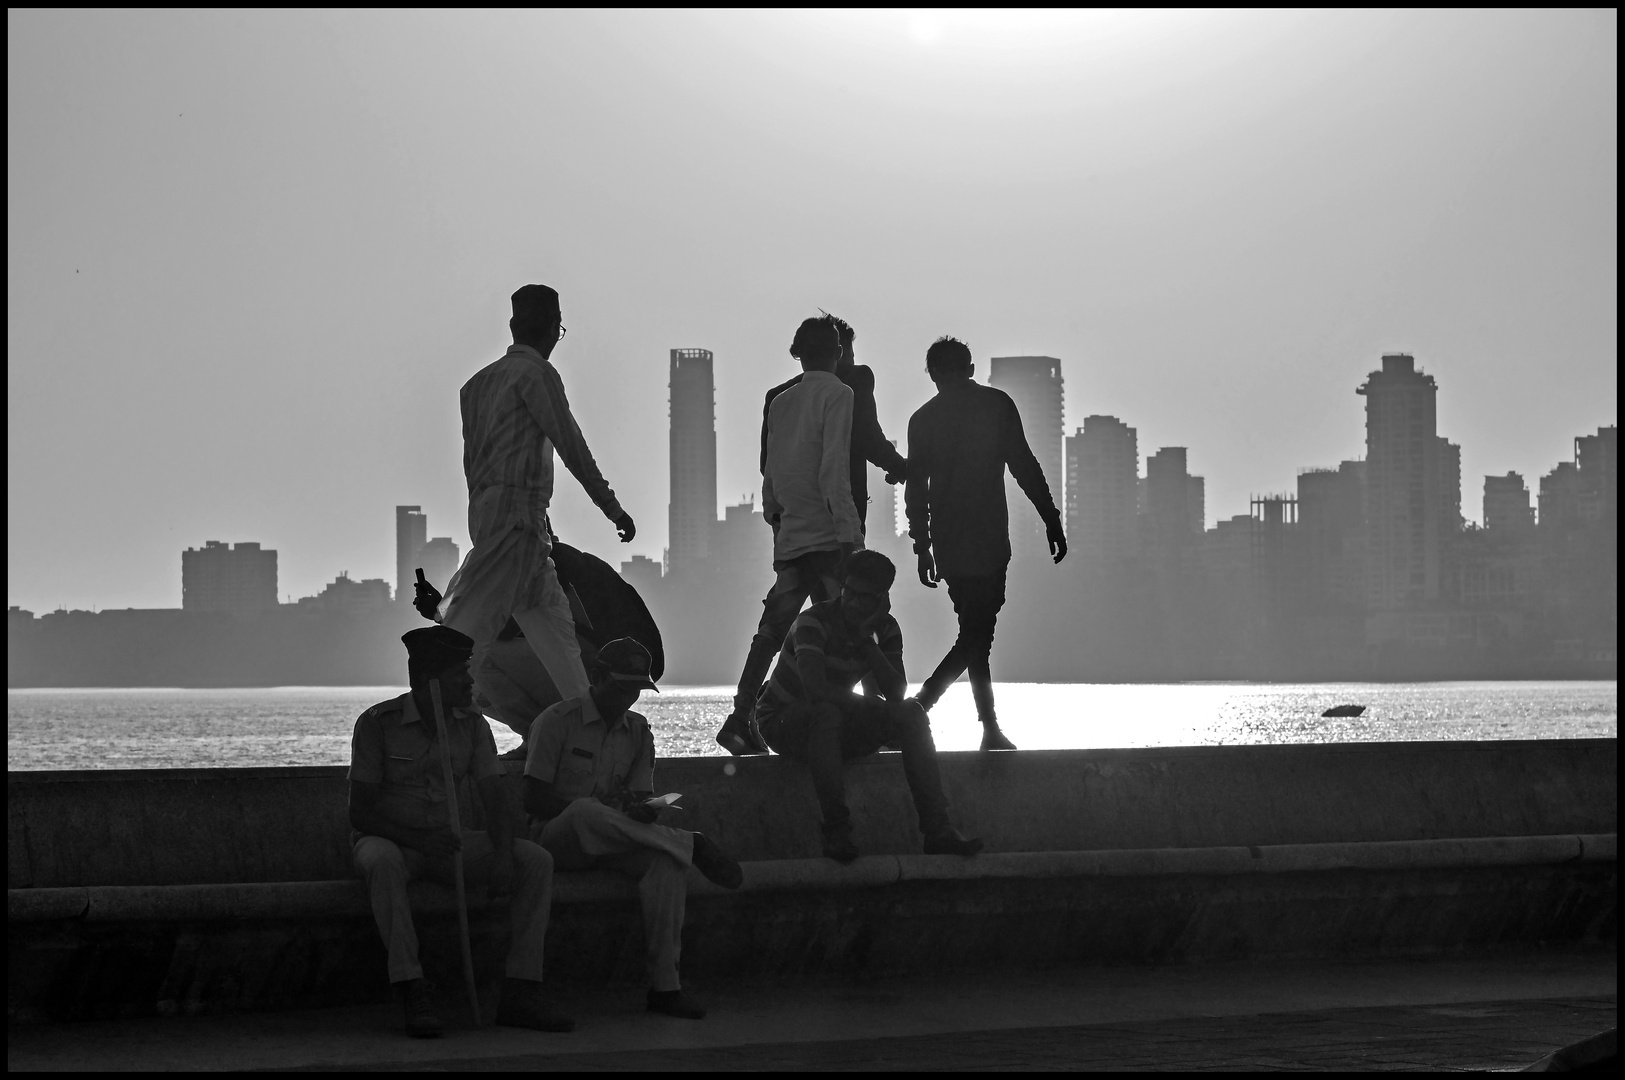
515	414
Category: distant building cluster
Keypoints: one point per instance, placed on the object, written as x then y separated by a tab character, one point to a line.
1367	567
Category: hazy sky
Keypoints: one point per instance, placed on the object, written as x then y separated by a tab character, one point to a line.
252	256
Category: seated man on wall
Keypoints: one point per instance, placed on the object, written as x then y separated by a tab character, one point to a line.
810	712
588	779
402	829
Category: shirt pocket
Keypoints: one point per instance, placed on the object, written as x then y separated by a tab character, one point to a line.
578	771
409	767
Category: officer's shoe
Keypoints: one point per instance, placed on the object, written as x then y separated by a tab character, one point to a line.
949	842
994	739
524	1004
717	865
673	1003
421	1020
838	845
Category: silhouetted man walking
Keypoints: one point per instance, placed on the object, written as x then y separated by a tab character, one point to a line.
807	499
514	414
959	443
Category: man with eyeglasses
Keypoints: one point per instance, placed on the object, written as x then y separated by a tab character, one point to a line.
515	414
812	714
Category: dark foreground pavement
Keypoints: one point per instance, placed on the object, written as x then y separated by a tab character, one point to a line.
1459	1014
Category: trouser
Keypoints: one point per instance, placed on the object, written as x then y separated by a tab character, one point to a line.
513	575
977	601
386	867
824	736
591	836
810	575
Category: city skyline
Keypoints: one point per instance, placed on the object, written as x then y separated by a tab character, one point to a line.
253	255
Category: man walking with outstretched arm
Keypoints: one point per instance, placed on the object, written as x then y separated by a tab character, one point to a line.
515	414
959	444
807	499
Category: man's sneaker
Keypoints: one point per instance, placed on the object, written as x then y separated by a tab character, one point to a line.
673	1003
717	865
950	842
525	1004
421	1019
994	739
739	735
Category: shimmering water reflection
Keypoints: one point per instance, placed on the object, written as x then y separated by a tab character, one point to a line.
168	728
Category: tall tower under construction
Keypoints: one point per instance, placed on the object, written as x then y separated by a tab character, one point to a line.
1034	384
693	510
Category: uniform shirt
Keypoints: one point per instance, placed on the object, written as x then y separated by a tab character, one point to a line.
393	746
959	443
514	414
869	443
821	630
575	751
805	484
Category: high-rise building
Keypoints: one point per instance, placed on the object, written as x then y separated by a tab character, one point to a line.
1597	458
1406	504
1331	520
1506	505
1447	464
344	596
1034	384
1560	497
883	514
741	541
1172	523
1102	477
239	579
439	559
693	508
1196	503
411	532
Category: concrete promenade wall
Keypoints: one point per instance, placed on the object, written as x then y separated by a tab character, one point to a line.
194	826
147	891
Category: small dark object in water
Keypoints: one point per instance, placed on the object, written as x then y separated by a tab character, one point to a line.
1344	710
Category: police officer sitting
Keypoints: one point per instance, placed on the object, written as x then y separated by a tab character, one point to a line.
588	778
401	818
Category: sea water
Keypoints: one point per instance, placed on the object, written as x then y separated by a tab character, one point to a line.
303	725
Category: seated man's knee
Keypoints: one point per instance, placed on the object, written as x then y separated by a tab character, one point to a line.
375	855
825	716
532	858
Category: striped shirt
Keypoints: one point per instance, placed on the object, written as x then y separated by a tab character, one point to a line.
514	414
821	631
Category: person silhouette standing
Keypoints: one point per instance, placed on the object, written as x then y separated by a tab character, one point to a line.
959	444
515	414
807	499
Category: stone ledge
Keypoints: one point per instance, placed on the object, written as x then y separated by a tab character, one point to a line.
344	898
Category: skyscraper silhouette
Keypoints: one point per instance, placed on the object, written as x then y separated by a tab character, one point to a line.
1406	487
1102	476
1034	383
411	533
239	579
693	510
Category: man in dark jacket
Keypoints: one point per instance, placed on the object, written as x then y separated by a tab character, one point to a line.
959	444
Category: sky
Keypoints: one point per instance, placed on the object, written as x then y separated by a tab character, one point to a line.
252	256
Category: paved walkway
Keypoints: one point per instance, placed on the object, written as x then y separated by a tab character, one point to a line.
1494	1013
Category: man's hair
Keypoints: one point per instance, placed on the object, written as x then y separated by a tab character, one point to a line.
871	566
947	354
842	327
815	338
531	326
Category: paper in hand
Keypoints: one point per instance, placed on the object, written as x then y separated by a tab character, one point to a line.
660	802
